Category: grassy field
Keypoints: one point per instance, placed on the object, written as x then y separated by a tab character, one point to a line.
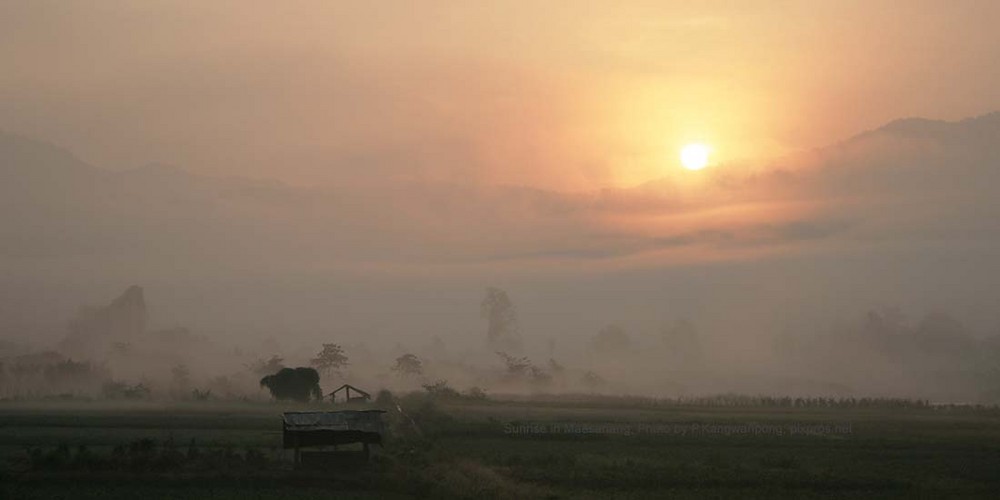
503	449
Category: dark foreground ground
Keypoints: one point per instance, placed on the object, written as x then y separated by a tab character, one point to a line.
491	449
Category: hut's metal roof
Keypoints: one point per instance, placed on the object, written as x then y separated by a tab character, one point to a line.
344	420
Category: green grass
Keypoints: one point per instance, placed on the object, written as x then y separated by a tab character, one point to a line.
464	450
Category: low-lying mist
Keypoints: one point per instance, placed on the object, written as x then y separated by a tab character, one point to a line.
862	268
115	352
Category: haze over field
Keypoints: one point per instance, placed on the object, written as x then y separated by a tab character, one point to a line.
278	178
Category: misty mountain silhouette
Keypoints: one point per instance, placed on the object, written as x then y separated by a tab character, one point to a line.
906	212
58	205
923	128
28	161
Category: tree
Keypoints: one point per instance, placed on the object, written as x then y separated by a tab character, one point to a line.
592	380
538	376
503	329
181	375
441	389
612	339
121	348
263	366
683	344
199	395
120	390
296	384
181	382
521	368
72	376
555	366
557	372
516	366
331	358
408	365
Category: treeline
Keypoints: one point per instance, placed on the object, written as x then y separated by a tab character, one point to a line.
148	455
747	401
48	373
740	400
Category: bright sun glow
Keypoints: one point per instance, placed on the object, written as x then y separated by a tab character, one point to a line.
694	156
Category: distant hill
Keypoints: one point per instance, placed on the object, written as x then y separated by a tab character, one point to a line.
57	205
922	128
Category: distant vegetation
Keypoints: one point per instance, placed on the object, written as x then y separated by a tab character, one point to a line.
122	390
294	384
503	329
748	401
408	365
331	359
880	353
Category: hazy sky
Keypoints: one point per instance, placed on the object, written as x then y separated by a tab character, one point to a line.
432	149
568	94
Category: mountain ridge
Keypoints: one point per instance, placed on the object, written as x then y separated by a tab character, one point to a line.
16	148
919	127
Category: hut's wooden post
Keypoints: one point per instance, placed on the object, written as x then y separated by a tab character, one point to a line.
298	457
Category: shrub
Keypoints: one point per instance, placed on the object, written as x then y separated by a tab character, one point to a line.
475	393
441	389
121	390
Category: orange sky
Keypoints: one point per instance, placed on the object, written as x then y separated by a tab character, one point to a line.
440	147
569	95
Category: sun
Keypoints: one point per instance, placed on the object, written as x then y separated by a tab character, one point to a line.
694	156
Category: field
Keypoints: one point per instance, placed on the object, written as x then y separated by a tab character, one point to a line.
556	448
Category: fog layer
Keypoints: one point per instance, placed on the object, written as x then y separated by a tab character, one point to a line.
866	267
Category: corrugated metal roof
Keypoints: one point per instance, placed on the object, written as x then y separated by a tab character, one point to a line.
344	420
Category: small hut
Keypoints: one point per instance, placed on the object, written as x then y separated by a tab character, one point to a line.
360	396
323	429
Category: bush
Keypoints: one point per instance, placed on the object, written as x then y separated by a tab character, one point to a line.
121	390
475	393
441	389
201	395
296	384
